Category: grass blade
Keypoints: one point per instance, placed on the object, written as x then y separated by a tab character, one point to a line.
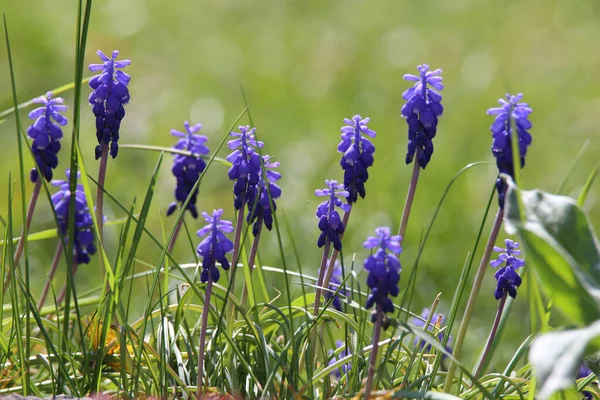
588	184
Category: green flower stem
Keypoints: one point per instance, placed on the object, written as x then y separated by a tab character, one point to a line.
55	262
373	357
412	188
19	251
482	359
462	330
205	309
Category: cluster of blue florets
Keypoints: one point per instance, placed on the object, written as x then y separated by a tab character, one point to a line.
437	322
246	164
384	269
215	245
510	115
46	135
330	222
261	197
187	168
345	368
83	244
507	277
109	94
357	155
422	110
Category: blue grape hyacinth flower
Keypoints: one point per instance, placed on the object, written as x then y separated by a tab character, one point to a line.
186	168
330	223
108	96
384	269
46	133
584	372
357	155
421	111
435	322
259	209
246	163
83	244
509	115
343	353
215	245
507	277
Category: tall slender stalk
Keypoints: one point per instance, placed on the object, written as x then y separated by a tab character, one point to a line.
322	268
330	265
460	337
26	226
175	235
205	309
253	252
319	290
30	209
170	248
100	191
412	188
53	268
236	243
373	357
100	202
488	345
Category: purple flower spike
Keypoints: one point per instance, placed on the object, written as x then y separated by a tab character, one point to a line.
384	269
83	245
584	372
187	169
437	322
343	353
46	134
260	209
330	223
357	155
421	111
507	277
215	246
510	114
109	95
246	163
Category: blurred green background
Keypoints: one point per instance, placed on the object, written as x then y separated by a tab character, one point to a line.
305	65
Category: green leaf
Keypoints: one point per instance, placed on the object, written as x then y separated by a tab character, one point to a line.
406	394
52	233
28	103
588	184
561	247
556	357
172	151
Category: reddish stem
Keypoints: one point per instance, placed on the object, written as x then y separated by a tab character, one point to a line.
19	251
53	268
373	357
412	188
